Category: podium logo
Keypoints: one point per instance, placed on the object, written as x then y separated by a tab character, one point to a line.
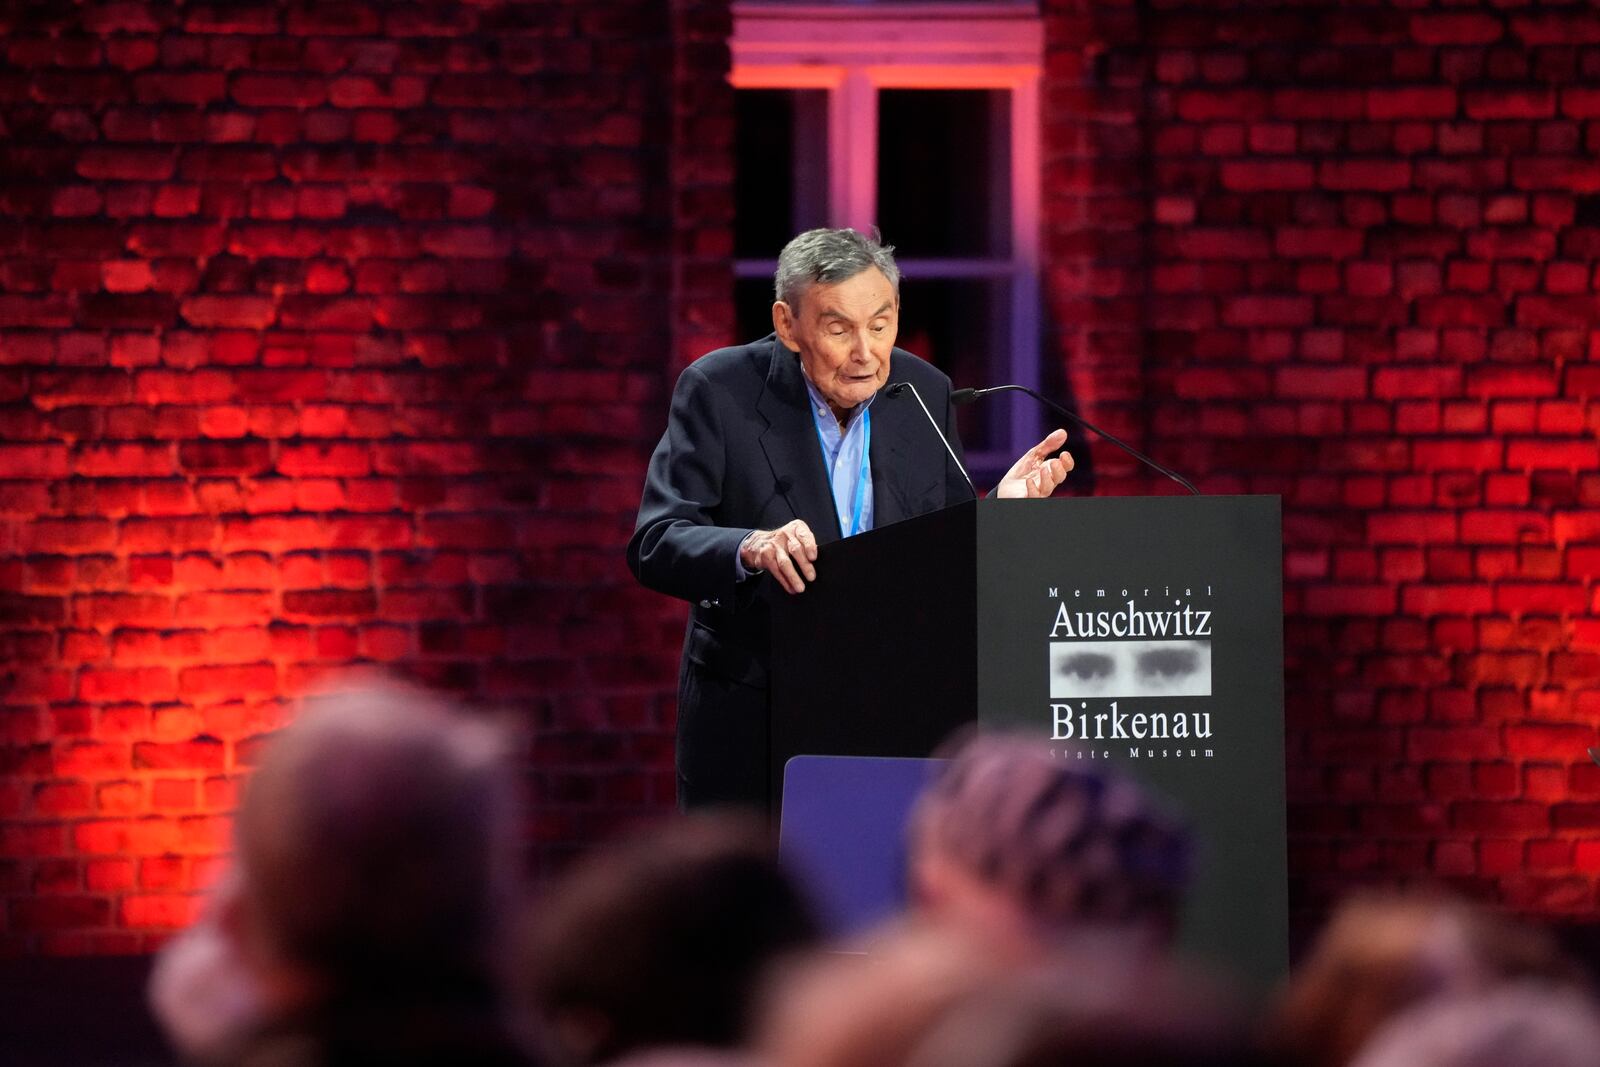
1181	620
1117	672
1130	669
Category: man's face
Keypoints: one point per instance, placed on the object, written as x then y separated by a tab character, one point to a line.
843	333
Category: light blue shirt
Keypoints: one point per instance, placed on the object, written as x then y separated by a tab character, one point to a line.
843	456
843	453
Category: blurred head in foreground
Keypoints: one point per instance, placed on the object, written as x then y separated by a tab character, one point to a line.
938	996
1081	1014
1031	845
661	941
374	868
1382	953
1514	1025
861	1010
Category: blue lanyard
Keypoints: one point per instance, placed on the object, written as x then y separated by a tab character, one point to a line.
861	476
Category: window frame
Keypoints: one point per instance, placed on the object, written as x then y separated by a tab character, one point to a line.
850	51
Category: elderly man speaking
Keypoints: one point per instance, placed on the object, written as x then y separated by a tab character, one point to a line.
771	449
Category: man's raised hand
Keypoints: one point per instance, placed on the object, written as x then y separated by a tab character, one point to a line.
1038	472
786	553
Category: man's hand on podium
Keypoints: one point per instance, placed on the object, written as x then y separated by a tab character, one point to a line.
1038	472
786	553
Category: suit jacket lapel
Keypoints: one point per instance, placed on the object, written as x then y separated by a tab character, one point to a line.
894	421
790	444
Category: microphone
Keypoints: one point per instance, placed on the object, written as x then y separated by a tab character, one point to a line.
967	396
895	389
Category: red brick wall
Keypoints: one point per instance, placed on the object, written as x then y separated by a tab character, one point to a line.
331	333
1347	253
339	333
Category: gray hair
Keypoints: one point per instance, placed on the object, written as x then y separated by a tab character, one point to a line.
1064	842
830	256
348	822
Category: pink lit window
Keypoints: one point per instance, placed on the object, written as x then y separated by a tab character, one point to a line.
921	119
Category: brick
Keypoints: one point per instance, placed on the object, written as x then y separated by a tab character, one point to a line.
1550	855
322	603
1568	455
175	534
336	642
1267	174
198	754
1463	28
1540	597
130	608
1411	102
234	457
1574	25
123	460
1554	172
36	915
1364	174
1500	817
244	312
1508	103
1535	310
278	90
126	164
1412	527
1350	600
271	532
1473	454
60	798
1580	102
1215	243
225	607
195	88
160	911
1448	600
1583	561
1392	383
269	386
1505	382
385	643
1369	279
142	684
1255	311
33	461
385	531
324	458
107	876
163	872
1315	382
91	758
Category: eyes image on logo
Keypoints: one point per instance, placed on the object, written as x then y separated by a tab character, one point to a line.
1130	669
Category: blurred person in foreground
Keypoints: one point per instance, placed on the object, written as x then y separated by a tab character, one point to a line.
374	869
1036	851
1516	1025
653	949
870	1009
1385	952
937	996
1080	1012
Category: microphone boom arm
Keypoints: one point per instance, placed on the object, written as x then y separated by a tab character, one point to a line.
967	396
893	390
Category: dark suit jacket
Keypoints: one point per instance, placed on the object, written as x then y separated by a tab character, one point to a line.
740	453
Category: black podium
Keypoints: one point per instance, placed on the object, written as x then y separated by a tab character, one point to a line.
1144	631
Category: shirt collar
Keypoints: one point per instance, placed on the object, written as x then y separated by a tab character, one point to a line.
819	404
